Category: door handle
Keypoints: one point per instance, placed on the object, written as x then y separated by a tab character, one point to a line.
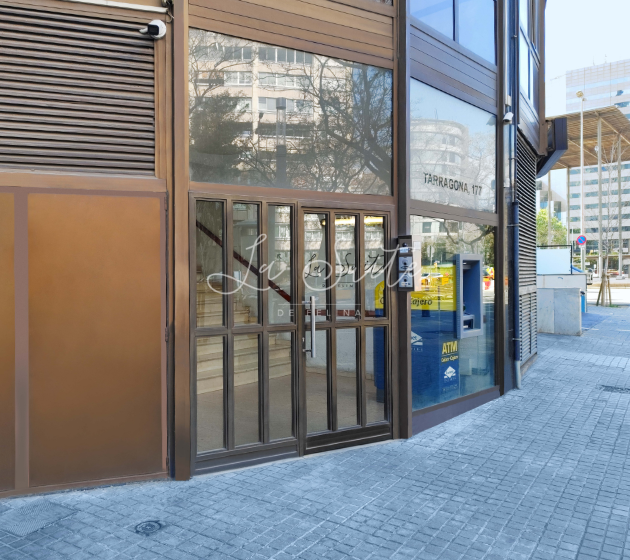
312	349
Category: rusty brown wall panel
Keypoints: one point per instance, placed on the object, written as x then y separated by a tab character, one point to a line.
7	344
95	337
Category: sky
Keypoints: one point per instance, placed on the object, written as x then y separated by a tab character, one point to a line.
581	33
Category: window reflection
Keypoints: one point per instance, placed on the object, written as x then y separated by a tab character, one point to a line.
270	116
473	19
476	27
374	265
446	365
210	386
453	151
438	14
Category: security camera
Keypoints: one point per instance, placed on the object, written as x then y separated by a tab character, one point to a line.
155	29
507	118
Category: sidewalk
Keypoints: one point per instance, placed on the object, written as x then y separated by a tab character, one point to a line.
540	473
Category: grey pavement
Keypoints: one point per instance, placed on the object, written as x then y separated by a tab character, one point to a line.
539	473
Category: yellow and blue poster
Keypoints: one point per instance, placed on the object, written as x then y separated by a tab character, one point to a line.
449	366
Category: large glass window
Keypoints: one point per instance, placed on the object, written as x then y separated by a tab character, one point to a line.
469	22
453	151
455	284
528	51
269	116
476	27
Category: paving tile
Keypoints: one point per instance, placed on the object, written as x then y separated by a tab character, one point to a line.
541	473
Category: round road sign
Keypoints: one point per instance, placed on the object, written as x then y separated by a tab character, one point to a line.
581	240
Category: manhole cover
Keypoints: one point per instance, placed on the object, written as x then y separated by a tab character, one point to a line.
28	519
614	389
148	527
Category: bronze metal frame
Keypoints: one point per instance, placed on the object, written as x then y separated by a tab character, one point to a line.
300	444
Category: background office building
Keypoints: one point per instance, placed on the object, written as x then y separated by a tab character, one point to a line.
603	86
200	233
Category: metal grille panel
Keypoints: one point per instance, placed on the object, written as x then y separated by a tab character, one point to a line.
528	301
76	94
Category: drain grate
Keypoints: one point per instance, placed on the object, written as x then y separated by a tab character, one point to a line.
148	527
615	389
28	519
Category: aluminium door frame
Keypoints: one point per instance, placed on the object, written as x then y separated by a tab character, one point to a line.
296	446
264	449
336	438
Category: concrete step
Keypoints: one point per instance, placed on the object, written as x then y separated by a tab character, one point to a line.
210	361
214	344
277	368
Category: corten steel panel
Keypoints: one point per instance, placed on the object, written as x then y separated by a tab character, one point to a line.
95	337
7	344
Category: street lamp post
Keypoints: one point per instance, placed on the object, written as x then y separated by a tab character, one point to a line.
580	95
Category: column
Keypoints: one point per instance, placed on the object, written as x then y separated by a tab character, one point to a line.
599	196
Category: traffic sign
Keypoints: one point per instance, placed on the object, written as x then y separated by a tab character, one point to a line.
581	240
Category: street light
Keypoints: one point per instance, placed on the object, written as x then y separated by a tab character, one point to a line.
580	95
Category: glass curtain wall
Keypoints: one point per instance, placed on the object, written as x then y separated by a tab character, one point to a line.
269	116
469	22
450	362
453	151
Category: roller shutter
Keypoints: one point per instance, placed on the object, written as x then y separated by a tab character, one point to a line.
76	94
528	302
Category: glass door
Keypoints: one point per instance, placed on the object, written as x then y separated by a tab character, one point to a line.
344	325
290	330
244	331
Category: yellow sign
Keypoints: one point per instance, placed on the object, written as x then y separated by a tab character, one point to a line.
449	347
436	291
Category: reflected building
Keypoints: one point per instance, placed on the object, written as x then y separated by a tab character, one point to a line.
272	116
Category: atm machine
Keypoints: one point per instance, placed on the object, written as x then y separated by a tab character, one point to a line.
469	308
438	327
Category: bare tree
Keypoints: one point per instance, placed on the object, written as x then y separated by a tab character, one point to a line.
609	222
337	128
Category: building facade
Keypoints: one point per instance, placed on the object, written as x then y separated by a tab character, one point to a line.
202	229
603	86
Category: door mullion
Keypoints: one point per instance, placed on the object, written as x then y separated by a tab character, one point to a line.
229	392
229	311
264	389
331	254
263	257
263	283
299	246
361	361
360	265
332	378
331	251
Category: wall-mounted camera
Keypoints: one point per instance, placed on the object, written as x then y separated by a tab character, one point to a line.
155	29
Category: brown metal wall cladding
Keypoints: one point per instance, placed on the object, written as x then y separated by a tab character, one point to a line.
7	344
95	337
318	26
76	93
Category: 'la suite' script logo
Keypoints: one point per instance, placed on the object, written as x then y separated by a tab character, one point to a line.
452	184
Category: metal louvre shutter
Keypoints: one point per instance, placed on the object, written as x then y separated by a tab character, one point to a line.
528	301
76	94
